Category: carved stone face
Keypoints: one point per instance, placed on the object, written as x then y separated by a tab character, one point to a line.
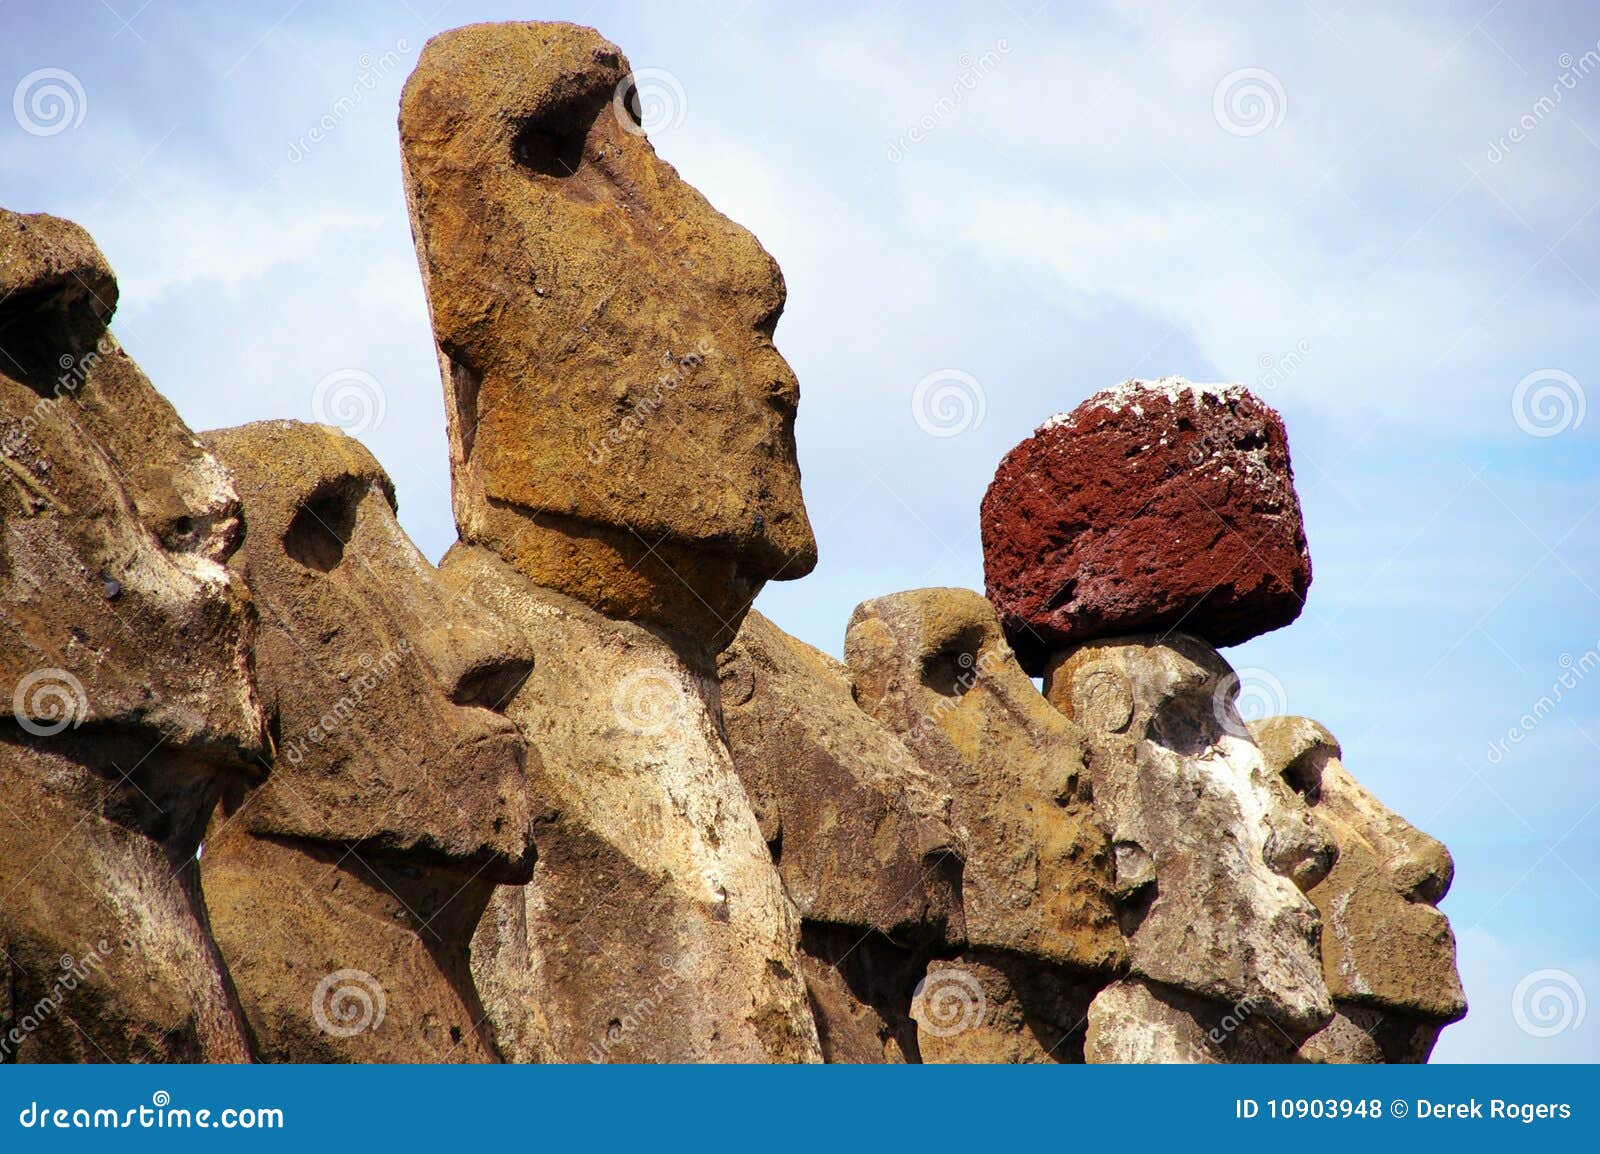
116	522
382	684
621	425
1198	826
1388	953
124	666
345	888
933	666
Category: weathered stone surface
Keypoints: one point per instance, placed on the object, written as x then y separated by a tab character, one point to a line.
1151	506
857	828
1205	842
124	664
655	927
1144	1022
995	1007
57	294
860	984
623	441
345	889
1388	954
932	665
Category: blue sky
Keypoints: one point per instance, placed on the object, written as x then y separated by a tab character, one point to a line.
1382	217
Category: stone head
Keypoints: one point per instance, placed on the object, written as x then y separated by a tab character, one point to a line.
1385	946
124	658
933	666
621	424
382	686
1197	825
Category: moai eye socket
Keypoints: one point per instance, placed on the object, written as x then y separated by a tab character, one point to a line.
323	523
1304	775
552	143
952	668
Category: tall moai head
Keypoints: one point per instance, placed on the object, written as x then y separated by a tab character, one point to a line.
621	424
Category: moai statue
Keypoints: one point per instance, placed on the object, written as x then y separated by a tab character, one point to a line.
1122	541
1040	935
1388	954
345	888
860	831
625	480
124	661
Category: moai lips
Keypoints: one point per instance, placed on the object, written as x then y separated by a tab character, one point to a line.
621	425
1388	954
1154	505
345	889
124	661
